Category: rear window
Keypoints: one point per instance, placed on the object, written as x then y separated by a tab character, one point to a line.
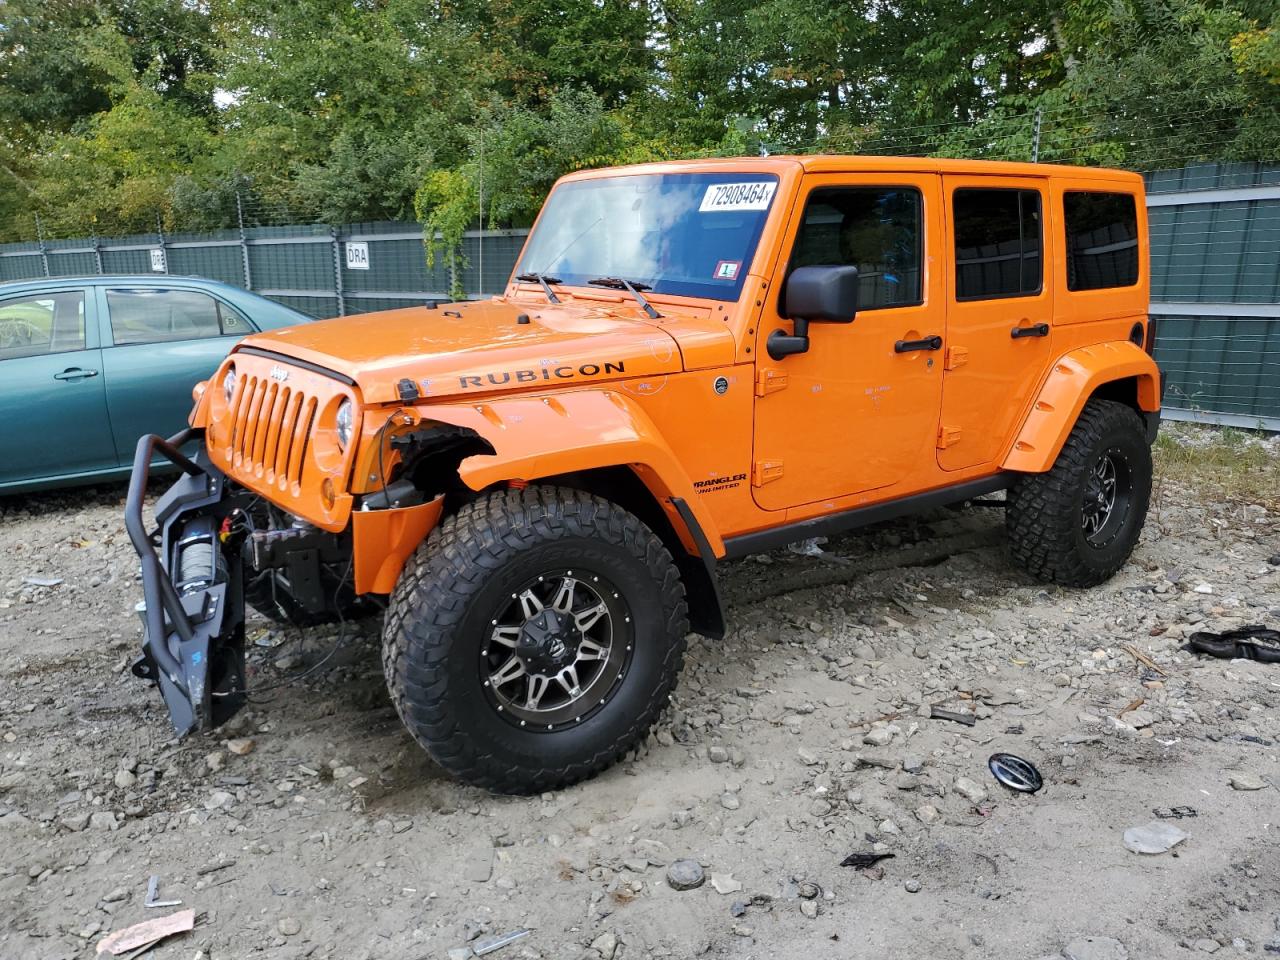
997	243
154	315
1102	240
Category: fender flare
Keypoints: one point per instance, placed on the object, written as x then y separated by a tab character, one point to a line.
537	437
1072	380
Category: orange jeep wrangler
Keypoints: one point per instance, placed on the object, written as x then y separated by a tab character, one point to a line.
692	362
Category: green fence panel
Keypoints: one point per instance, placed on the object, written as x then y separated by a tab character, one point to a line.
1215	269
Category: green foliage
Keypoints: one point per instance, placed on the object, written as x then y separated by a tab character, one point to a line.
114	111
446	203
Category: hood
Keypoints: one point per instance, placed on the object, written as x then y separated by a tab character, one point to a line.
479	347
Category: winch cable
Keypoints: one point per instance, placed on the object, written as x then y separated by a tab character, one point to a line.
344	634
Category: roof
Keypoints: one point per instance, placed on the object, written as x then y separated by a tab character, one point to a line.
138	279
853	163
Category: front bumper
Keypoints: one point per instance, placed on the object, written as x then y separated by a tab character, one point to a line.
193	609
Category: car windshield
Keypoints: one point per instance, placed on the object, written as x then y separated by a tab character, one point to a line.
690	234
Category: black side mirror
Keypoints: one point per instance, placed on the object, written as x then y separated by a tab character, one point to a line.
825	294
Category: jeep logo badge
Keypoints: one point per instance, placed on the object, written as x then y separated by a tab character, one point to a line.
279	373
721	386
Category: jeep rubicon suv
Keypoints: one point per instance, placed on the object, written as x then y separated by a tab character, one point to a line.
692	361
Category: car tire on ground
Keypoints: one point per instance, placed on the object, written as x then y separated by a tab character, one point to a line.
1077	524
534	638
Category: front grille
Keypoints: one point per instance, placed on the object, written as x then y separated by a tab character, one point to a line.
271	426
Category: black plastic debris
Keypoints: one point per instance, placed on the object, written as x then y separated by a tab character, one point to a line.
937	713
1175	813
1015	773
1244	643
860	861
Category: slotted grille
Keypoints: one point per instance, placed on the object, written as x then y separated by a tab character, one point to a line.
271	425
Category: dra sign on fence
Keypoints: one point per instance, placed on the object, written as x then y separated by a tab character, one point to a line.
357	255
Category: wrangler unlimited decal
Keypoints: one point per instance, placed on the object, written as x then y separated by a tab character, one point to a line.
548	372
719	483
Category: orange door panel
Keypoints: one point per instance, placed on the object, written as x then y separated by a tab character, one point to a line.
859	410
999	312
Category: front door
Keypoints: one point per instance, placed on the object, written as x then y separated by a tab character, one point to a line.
51	389
859	410
1000	313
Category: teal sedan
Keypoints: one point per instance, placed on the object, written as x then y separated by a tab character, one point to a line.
89	364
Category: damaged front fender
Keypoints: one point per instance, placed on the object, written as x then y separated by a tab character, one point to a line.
537	437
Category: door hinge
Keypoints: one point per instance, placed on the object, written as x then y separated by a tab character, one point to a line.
765	471
948	437
769	381
956	357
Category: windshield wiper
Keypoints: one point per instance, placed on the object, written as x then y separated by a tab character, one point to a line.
543	279
617	283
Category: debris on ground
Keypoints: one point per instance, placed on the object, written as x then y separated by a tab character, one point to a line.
1154	837
96	795
860	861
153	900
1015	773
149	932
1244	643
489	945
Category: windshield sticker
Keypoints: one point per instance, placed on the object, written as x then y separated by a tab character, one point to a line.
728	197
727	269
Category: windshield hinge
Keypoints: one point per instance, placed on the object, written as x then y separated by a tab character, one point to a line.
765	471
948	437
770	381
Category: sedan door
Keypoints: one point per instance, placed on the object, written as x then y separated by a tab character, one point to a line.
163	341
53	410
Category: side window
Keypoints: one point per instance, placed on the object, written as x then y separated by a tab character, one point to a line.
1102	240
234	323
153	315
40	324
876	229
998	240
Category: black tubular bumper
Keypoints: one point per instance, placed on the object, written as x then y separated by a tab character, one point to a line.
193	610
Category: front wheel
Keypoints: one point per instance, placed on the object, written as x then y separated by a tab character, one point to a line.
1077	524
534	638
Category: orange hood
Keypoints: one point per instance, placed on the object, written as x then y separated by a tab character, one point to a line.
466	349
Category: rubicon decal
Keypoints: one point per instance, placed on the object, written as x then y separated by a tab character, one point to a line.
549	372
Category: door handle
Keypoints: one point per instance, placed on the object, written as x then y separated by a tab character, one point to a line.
927	343
75	373
1035	330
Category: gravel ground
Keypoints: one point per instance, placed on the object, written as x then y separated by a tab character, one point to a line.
314	827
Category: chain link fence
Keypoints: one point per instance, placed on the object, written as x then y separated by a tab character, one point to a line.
1215	264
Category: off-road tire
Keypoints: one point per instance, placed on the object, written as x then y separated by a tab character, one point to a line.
438	618
1045	511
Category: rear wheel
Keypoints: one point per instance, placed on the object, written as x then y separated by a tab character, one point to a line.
534	638
1078	523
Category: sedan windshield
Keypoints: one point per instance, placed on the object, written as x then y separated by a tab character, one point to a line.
689	234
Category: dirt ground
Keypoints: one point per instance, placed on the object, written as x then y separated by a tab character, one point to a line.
803	737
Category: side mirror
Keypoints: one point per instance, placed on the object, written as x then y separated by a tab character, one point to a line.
825	294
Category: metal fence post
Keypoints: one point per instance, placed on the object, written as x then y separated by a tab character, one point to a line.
44	251
337	272
244	245
97	251
164	253
1035	138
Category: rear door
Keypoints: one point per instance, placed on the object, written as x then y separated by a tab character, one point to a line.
162	342
53	410
999	312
